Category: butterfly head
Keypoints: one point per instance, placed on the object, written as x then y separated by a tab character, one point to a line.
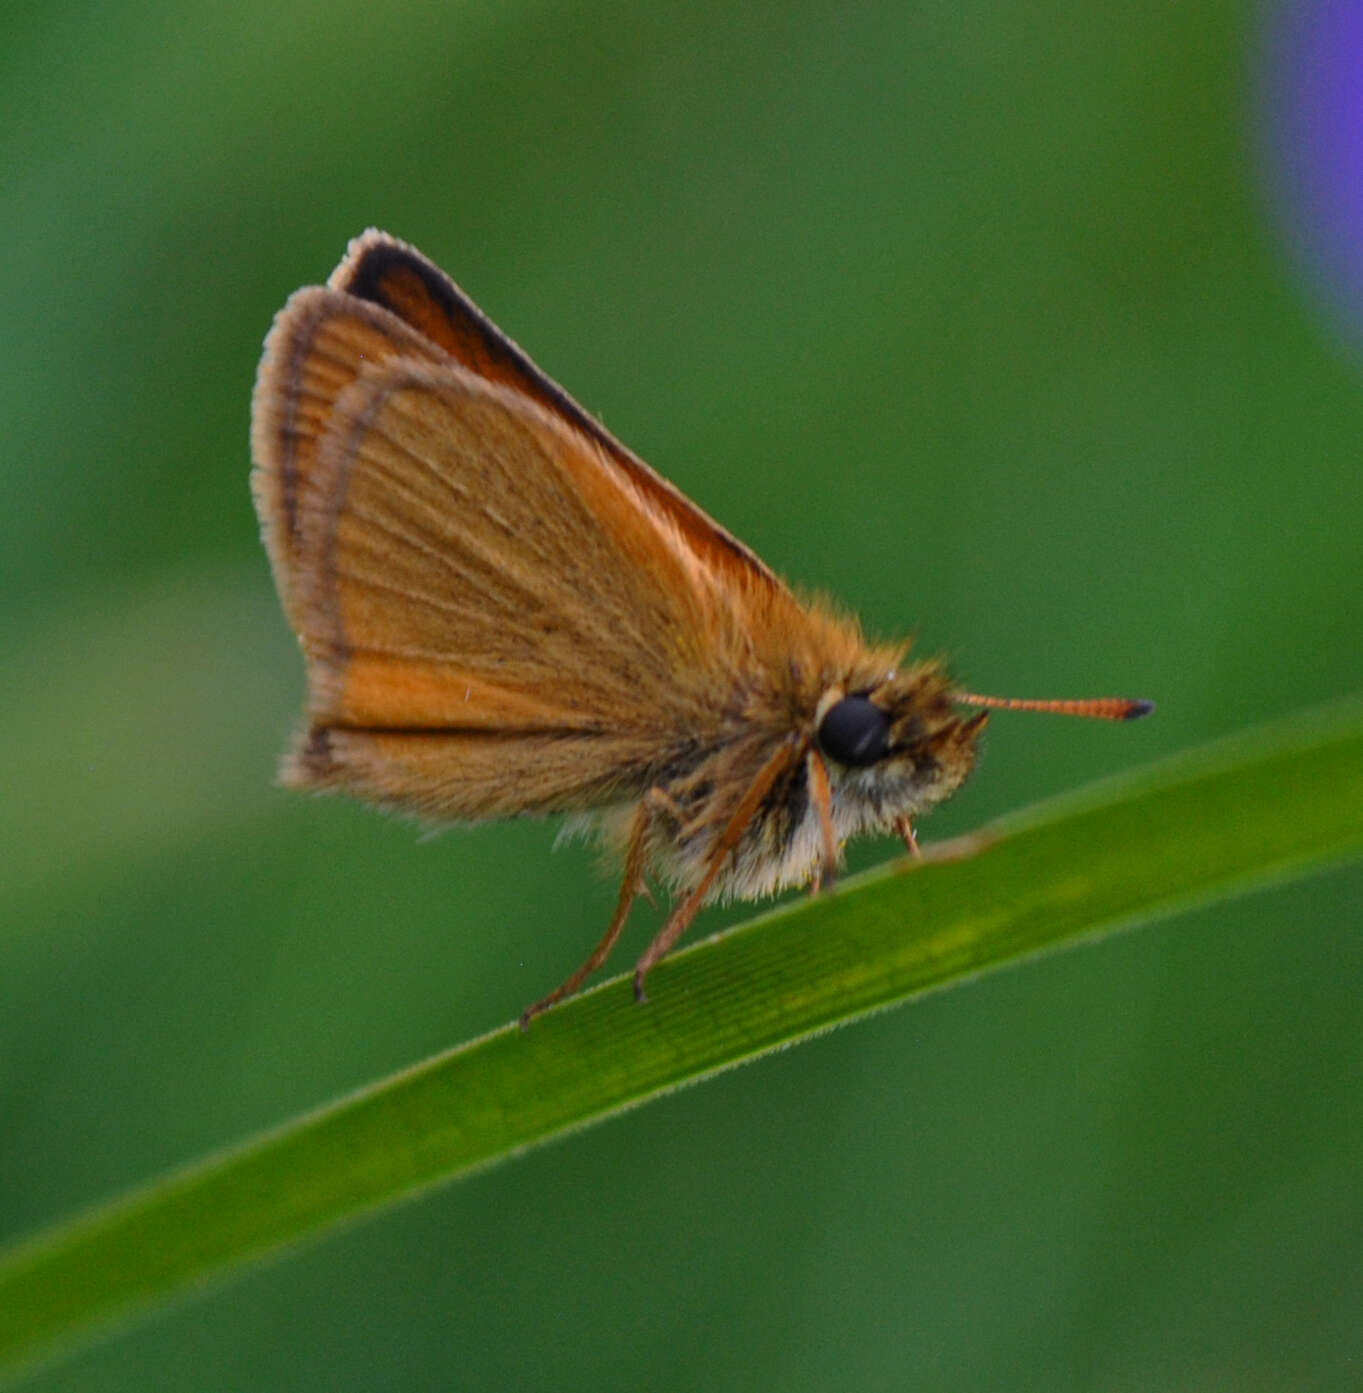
895	747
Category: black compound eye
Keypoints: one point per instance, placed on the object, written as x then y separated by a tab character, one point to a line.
855	731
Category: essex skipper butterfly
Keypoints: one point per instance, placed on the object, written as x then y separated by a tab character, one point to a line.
505	611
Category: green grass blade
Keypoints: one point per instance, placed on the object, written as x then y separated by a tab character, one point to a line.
1267	806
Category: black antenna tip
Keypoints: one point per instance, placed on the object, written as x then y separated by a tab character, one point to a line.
1137	709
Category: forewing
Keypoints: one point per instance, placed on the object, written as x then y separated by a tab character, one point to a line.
503	608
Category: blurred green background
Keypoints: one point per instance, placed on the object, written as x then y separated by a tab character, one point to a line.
980	317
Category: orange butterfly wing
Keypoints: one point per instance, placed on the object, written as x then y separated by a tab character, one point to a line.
496	616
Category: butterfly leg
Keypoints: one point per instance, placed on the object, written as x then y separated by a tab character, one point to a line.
904	828
826	872
680	918
635	856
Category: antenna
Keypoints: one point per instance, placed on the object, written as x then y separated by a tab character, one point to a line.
1098	708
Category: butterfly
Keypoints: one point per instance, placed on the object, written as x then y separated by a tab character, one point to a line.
503	611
